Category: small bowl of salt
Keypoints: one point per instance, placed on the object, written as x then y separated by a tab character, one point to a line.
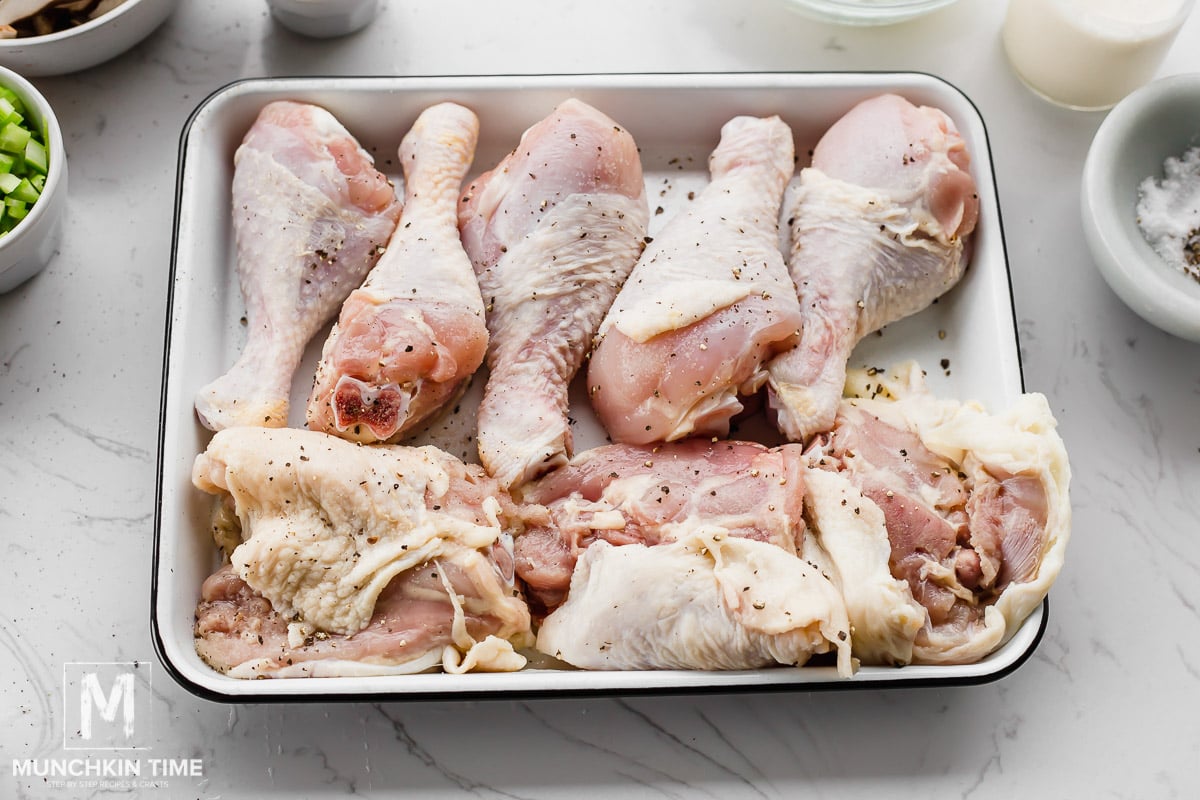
1141	202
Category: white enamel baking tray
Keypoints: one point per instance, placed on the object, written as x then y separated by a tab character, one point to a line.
967	341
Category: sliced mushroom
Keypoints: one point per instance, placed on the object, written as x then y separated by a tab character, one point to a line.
40	17
13	10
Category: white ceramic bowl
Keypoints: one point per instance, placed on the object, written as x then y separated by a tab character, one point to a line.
866	12
28	247
1160	120
86	45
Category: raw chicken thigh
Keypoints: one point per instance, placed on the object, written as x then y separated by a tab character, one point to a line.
708	303
311	216
707	601
408	340
975	507
553	232
627	494
333	536
877	233
427	617
680	556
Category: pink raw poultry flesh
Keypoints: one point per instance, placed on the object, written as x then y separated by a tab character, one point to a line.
553	231
238	632
390	557
407	341
975	509
625	494
540	246
310	217
878	232
707	304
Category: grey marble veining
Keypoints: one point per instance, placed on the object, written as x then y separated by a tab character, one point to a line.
1106	707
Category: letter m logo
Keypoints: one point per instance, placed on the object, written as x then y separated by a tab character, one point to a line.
106	706
91	697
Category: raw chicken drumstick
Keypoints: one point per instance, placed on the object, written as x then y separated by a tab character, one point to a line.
407	341
708	303
553	231
877	233
310	217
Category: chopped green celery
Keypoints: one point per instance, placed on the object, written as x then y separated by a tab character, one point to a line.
24	160
13	138
35	155
25	192
11	111
12	97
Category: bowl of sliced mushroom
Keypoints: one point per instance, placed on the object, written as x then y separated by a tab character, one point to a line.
54	37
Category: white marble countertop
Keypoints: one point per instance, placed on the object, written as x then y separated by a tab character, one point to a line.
1106	707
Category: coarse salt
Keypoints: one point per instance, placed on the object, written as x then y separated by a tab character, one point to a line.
1168	212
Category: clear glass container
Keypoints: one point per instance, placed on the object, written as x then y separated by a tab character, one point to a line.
866	12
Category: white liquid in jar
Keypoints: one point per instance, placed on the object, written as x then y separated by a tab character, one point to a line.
1090	53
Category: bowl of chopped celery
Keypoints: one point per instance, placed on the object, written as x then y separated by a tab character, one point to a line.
33	181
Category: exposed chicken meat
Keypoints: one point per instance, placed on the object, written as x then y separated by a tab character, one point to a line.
848	540
553	232
457	613
878	226
406	342
625	494
327	525
310	217
707	601
975	506
708	303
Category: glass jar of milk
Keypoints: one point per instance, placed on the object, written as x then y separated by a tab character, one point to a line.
1088	54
